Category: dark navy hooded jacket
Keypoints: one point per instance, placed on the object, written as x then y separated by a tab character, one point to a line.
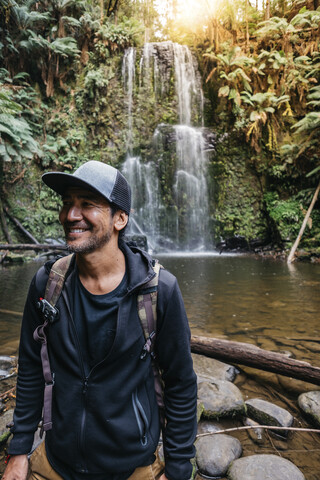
108	421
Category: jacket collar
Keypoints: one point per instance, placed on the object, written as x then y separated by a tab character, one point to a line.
138	266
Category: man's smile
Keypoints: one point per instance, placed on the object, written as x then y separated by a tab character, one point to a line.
74	230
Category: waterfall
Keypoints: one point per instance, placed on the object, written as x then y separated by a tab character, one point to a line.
169	188
190	186
128	75
188	85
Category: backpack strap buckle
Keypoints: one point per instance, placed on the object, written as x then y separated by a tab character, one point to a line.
148	346
49	312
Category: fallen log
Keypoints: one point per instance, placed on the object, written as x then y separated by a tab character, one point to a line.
32	246
10	312
303	226
20	226
253	356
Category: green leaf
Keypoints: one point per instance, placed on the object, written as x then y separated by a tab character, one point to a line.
224	91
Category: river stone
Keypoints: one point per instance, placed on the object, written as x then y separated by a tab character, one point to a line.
208	426
220	399
264	467
309	402
7	366
5	419
215	453
256	434
267	413
210	369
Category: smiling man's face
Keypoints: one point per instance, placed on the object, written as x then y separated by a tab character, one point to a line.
87	220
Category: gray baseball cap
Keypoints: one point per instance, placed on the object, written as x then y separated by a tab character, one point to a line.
96	176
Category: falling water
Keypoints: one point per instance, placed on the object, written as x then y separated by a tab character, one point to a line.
190	187
188	86
128	75
145	191
180	222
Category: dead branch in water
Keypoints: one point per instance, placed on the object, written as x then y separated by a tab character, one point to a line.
266	427
253	356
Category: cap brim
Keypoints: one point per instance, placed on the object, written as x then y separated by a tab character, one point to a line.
60	182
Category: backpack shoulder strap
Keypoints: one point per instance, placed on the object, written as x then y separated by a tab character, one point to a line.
147	304
47	306
57	278
147	311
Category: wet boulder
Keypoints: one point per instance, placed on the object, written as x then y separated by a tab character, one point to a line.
208	369
264	467
309	402
220	399
215	453
208	426
267	413
5	419
7	366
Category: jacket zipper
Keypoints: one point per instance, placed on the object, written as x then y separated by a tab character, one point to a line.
141	419
85	380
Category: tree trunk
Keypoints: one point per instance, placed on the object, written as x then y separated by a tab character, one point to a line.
215	35
23	230
101	11
4	224
33	246
84	52
267	15
253	356
304	224
247	28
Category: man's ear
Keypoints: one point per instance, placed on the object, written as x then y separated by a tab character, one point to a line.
120	220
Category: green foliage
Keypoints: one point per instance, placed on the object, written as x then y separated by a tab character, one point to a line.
287	215
66	47
274	29
306	19
121	35
96	80
16	136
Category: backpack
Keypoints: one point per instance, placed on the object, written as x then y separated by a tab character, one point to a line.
147	311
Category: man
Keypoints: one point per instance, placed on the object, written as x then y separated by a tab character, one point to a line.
105	418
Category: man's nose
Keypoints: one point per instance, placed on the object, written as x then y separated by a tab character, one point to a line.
74	213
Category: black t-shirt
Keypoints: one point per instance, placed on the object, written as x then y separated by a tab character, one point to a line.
95	317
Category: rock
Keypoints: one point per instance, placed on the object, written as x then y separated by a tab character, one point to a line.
5	419
267	413
257	434
200	409
140	241
209	369
264	467
215	453
7	366
220	398
206	426
309	402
